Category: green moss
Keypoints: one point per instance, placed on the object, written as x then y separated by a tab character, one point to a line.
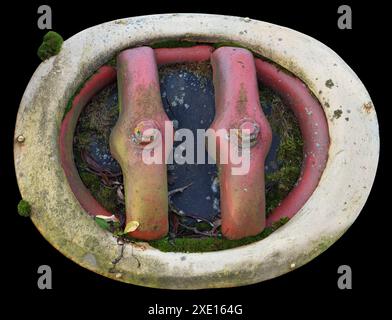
90	180
112	62
70	101
203	226
227	44
24	208
211	244
109	225
105	196
289	153
82	139
102	223
50	46
68	106
173	44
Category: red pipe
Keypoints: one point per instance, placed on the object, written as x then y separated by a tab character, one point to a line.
141	118
179	55
238	106
102	78
314	130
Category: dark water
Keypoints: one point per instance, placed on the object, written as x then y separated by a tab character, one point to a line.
188	99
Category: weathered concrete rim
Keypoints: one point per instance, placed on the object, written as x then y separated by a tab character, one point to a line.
333	207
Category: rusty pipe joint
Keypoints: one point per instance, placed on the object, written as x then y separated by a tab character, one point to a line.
138	127
247	132
238	109
145	133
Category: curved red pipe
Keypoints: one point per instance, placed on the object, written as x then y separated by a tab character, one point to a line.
314	130
102	78
237	99
178	55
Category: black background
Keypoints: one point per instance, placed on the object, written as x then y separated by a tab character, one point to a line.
315	284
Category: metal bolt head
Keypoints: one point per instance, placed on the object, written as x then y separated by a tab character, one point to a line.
145	132
20	138
252	128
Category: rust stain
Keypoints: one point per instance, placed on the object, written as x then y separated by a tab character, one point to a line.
368	107
242	100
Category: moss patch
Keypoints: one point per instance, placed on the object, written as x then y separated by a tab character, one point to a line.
70	101
172	44
24	208
227	44
290	149
211	244
92	138
101	193
50	46
112	62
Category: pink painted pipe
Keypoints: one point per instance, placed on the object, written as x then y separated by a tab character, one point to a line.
141	110
102	78
178	55
237	106
314	129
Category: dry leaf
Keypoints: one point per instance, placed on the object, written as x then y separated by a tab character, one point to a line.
131	226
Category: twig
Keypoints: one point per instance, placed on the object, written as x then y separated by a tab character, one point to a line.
117	260
174	191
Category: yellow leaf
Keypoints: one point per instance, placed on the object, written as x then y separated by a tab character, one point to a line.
131	226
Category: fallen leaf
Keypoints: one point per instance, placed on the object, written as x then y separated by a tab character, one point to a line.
131	226
102	223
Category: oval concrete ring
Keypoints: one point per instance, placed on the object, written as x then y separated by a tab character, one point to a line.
332	208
